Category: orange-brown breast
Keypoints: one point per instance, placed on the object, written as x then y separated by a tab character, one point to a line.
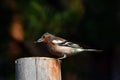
52	49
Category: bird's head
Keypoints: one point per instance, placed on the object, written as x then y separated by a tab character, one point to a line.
45	38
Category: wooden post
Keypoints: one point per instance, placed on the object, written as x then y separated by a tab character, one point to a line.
38	68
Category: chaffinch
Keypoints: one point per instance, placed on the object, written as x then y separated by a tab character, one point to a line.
61	47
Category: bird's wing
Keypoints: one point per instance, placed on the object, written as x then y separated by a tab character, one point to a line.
66	43
58	41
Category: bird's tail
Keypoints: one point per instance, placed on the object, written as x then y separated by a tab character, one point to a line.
93	50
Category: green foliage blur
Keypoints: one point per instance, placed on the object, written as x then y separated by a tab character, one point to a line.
60	16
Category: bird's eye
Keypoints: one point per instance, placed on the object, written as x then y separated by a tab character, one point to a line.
43	36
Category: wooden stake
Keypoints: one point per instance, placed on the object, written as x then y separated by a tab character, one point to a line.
38	68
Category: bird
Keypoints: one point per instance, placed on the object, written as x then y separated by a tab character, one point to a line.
61	47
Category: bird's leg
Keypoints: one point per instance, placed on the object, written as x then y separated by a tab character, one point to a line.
64	56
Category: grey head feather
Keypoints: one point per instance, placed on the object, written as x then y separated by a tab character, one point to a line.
46	33
51	37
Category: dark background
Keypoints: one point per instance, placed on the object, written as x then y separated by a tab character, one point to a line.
90	23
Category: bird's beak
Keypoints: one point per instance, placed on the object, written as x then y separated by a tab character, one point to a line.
39	40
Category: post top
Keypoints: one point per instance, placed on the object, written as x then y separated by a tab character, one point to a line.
38	58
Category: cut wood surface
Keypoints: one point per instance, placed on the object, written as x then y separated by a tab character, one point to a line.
38	68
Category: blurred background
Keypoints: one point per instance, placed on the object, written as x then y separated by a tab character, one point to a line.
90	23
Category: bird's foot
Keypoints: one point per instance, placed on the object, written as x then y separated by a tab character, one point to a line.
64	56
